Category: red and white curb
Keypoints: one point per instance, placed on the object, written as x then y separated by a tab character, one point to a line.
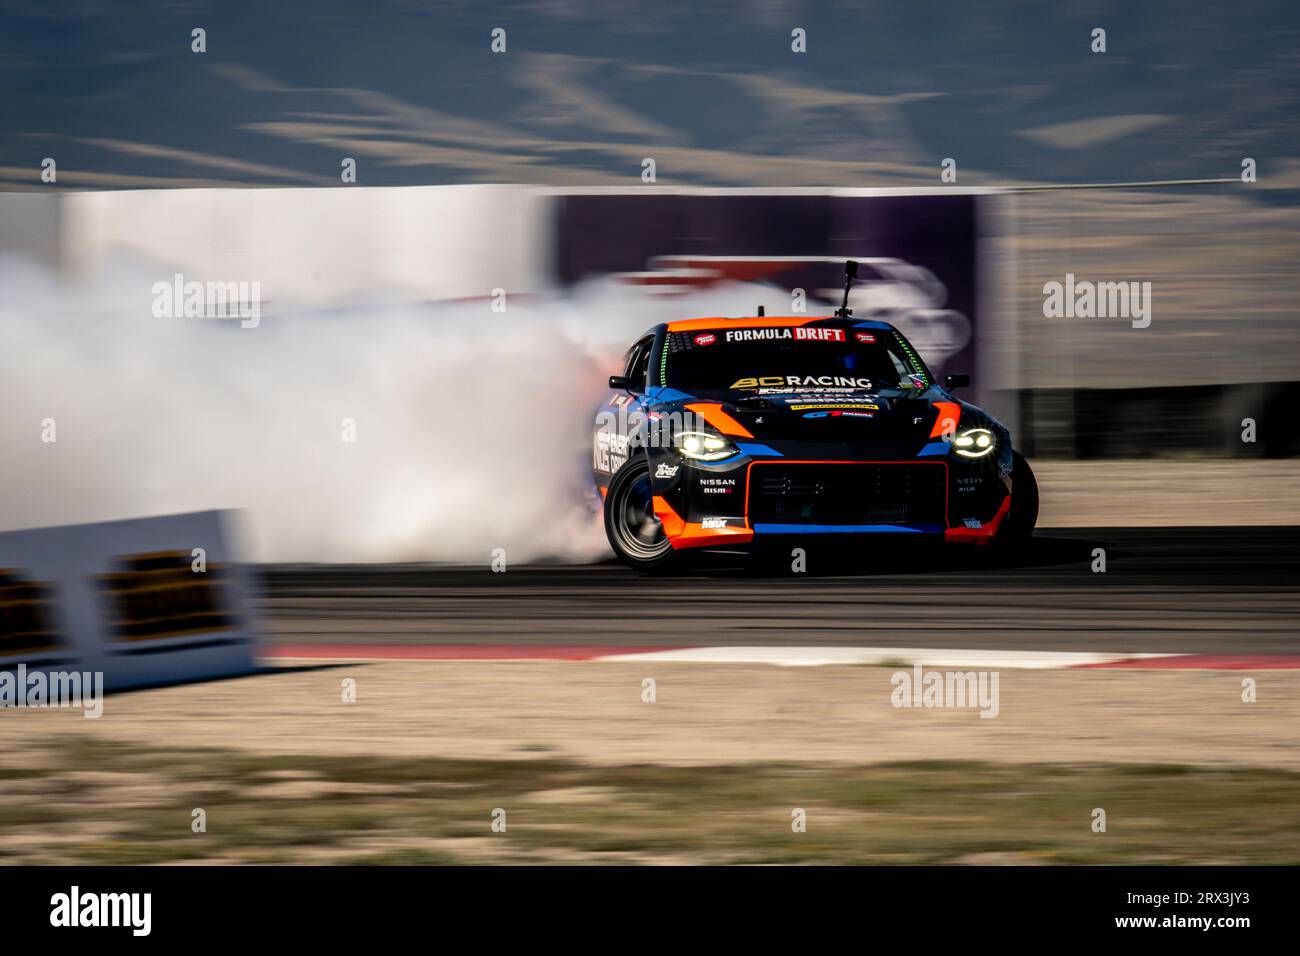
928	656
778	656
368	653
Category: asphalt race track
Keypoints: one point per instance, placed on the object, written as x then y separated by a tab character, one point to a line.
1165	590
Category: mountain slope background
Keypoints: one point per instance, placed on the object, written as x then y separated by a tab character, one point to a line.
586	90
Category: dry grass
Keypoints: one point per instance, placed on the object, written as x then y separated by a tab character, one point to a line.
133	805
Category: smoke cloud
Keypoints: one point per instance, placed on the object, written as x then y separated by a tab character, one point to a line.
472	427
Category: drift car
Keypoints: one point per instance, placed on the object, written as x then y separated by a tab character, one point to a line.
726	433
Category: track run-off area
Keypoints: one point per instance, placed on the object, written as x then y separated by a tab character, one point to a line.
1222	592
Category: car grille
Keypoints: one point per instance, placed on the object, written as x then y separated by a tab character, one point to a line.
848	494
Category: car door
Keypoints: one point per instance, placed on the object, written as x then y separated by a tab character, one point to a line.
619	417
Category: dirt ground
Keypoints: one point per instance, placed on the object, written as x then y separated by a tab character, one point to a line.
702	714
1100	494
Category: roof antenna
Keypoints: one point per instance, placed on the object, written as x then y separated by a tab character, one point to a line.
850	273
762	311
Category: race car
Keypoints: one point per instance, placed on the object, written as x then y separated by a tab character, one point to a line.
729	433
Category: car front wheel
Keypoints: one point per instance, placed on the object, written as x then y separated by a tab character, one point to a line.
635	533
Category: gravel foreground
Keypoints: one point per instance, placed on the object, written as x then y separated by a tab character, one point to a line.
722	767
702	714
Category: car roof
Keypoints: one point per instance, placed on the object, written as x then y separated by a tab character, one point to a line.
763	321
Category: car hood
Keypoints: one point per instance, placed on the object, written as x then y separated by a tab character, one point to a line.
896	420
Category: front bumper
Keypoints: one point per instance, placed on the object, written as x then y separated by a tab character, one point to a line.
749	498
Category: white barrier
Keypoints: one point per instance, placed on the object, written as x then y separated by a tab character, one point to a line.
29	226
144	601
308	248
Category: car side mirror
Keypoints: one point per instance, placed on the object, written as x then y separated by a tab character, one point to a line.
621	382
956	381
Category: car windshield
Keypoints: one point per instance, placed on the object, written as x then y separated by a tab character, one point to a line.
776	358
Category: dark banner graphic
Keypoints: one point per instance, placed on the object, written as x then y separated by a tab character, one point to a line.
918	267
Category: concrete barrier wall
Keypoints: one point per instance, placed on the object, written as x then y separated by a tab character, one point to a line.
309	248
142	601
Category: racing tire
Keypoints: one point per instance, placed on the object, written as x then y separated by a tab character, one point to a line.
1018	526
634	531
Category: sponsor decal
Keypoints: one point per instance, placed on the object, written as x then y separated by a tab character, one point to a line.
866	338
973	523
800	395
837	413
712	524
158	595
667	471
802	381
609	453
831	397
753	335
797	334
26	615
860	405
827	381
717	486
806	334
619	401
705	338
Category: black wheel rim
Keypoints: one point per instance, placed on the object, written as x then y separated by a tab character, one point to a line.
639	530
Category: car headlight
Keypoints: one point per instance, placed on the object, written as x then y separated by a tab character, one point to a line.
703	446
974	443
